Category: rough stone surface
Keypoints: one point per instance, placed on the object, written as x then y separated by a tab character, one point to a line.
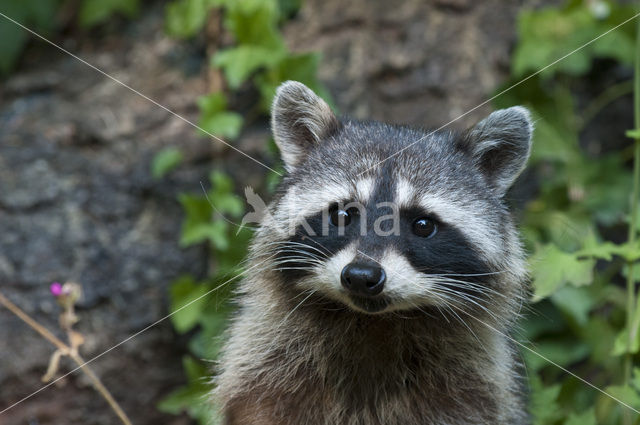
77	201
415	62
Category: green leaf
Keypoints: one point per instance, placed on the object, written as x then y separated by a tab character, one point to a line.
229	258
633	134
192	397
165	161
586	418
206	343
621	344
627	394
552	268
214	232
93	12
568	35
599	335
215	119
575	302
239	62
39	14
198	225
222	124
222	197
635	379
606	184
13	40
601	250
187	303
563	350
184	18
543	403
254	22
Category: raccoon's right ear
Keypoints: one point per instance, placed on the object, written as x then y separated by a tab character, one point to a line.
299	119
500	145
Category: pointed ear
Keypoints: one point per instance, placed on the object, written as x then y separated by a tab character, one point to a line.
500	145
299	120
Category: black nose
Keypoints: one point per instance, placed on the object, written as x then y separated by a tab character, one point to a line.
363	279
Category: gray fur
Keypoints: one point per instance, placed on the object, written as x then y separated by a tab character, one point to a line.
501	144
297	354
299	119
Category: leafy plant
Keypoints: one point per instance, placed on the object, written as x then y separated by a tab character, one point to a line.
13	39
165	161
583	315
258	57
94	12
43	16
200	308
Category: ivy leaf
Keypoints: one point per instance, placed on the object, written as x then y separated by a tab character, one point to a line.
600	250
184	18
165	161
254	22
182	292
190	398
198	225
222	197
543	404
215	119
93	12
239	62
553	268
214	232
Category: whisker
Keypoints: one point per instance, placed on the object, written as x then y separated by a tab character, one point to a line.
295	244
466	274
469	328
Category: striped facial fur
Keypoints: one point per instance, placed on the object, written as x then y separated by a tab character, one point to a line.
383	218
380	247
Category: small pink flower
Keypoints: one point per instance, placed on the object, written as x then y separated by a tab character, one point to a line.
56	289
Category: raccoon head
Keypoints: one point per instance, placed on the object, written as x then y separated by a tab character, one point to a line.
383	218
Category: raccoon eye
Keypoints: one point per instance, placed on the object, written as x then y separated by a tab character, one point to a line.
424	227
339	217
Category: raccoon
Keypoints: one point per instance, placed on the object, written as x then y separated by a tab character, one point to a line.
384	278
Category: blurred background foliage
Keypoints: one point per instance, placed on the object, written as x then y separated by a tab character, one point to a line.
576	224
574	212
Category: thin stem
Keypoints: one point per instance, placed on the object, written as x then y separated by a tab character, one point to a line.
99	386
46	334
633	222
603	99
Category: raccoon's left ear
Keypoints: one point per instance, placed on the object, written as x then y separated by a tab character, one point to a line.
500	145
299	120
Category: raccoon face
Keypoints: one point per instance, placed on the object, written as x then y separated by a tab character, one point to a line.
383	218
